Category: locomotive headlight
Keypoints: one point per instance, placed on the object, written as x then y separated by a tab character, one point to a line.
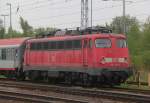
126	60
122	60
106	60
103	60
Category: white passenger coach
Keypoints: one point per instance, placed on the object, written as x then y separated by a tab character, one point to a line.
10	54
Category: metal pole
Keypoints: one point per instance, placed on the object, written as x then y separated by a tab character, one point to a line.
10	17
84	14
124	17
4	20
9	4
91	13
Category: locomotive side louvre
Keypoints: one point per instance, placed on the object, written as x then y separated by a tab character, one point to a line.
65	55
55	55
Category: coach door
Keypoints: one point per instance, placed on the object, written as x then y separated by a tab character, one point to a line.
85	52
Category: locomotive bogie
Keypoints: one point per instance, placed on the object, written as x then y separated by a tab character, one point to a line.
83	77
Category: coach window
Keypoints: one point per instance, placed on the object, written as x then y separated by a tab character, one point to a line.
14	53
68	44
103	43
0	54
3	54
8	54
77	44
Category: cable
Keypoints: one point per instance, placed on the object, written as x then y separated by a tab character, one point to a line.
76	12
56	3
38	6
94	20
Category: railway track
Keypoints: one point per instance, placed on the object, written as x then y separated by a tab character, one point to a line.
137	91
141	96
35	98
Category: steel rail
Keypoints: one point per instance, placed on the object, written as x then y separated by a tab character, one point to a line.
46	87
35	98
99	93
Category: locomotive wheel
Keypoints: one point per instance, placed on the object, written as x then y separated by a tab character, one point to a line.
87	80
52	80
117	79
20	75
68	78
33	75
45	77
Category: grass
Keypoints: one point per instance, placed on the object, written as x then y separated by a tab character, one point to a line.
2	76
135	86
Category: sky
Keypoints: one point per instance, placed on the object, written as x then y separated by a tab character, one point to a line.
67	13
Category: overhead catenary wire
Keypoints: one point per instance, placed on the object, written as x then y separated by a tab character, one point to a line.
94	20
59	3
38	6
48	18
75	13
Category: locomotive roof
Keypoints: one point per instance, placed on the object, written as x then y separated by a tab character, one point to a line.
12	41
67	37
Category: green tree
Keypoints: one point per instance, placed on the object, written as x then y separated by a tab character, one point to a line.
146	44
1	23
134	39
117	23
44	31
139	45
135	45
39	31
26	28
2	32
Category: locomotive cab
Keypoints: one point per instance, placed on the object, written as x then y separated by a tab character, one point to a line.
112	58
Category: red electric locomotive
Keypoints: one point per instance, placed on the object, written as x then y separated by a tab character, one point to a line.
94	57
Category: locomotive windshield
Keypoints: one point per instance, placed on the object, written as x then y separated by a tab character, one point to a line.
103	43
121	43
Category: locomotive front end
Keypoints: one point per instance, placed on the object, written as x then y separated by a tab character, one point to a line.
112	59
